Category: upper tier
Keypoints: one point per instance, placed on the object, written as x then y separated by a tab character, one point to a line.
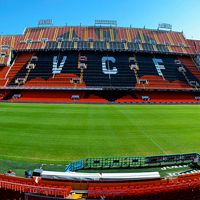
100	38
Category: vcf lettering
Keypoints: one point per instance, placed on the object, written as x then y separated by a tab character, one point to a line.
57	69
106	65
158	64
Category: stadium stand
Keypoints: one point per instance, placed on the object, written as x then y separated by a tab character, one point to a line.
184	187
22	185
160	97
95	61
20	61
102	38
48	96
122	75
190	65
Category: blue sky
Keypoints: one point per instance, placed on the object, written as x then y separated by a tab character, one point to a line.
184	15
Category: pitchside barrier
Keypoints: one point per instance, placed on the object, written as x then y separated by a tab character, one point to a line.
132	162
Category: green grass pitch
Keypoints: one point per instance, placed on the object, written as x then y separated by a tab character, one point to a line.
62	133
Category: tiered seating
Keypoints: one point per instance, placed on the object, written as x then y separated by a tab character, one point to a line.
128	99
194	46
93	99
3	82
168	97
116	58
48	96
3	94
59	189
3	72
110	38
61	80
156	82
182	188
43	75
95	77
190	65
20	62
70	75
58	96
11	41
117	74
170	78
3	59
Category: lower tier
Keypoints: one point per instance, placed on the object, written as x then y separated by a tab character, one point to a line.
111	96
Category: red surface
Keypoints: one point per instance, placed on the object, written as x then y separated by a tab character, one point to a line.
184	187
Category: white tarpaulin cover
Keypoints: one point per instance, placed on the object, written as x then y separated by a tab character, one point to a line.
80	176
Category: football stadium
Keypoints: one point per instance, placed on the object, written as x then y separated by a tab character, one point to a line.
99	111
